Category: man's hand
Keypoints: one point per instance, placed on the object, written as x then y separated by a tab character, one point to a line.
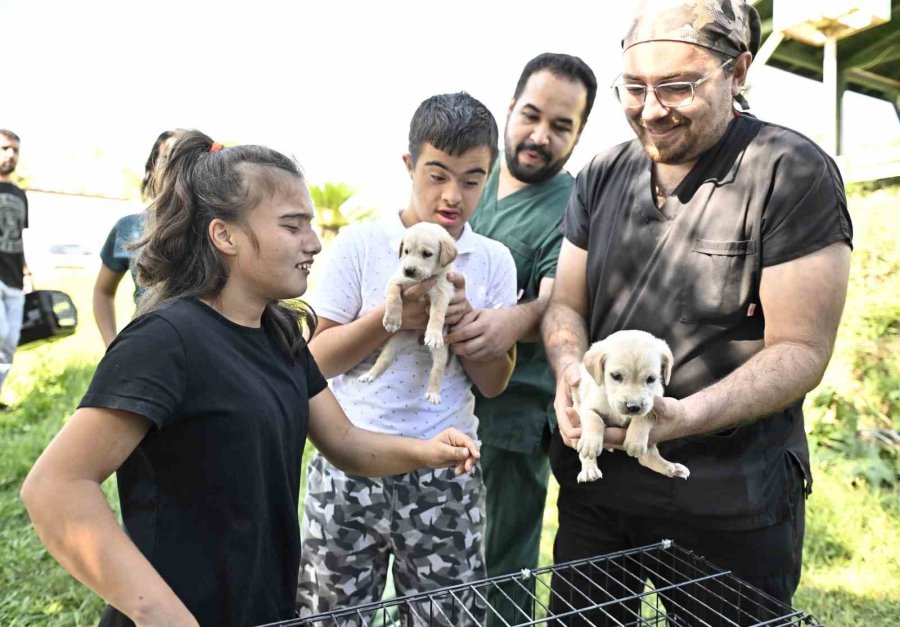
671	422
451	447
459	305
566	417
415	306
483	335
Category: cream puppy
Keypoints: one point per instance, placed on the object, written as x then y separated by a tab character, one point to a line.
427	251
620	375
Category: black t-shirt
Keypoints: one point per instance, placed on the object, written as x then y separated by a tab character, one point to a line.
210	495
13	219
689	273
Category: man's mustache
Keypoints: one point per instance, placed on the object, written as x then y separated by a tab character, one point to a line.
541	150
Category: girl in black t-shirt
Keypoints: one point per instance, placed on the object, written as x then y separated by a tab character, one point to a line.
202	406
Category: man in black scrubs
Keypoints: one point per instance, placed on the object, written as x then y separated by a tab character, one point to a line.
728	237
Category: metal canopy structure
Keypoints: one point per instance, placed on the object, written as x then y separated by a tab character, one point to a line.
866	62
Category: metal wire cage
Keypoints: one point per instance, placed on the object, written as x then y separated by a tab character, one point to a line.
684	590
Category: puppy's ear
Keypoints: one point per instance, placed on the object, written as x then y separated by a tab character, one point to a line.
447	251
595	361
400	252
667	362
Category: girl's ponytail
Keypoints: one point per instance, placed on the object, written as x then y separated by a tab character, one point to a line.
202	181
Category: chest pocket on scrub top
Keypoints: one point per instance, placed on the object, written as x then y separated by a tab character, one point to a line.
524	256
720	281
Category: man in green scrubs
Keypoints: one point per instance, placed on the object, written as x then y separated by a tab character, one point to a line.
522	206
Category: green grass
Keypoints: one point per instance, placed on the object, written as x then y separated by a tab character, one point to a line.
852	552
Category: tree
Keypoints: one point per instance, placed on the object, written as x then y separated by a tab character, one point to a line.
329	200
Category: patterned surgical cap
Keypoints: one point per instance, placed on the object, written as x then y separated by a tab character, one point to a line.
727	26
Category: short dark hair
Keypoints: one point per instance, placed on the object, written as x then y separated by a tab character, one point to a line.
8	134
562	66
453	123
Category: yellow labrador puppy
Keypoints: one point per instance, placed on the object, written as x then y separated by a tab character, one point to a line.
427	251
620	375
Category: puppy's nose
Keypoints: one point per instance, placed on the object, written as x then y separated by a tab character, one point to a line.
409	272
632	408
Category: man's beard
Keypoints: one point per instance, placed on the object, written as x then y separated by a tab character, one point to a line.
529	175
669	155
7	168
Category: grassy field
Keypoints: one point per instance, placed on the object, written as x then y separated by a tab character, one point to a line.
852	555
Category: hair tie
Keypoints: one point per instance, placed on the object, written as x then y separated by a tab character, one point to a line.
216	147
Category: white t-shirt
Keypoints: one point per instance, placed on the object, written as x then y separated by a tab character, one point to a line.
358	264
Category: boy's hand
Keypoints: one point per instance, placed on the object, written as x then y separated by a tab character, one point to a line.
483	335
415	306
459	305
451	447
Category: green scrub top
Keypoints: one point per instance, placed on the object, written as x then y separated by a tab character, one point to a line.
528	223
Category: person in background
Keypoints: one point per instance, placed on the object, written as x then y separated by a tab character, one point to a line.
117	256
13	269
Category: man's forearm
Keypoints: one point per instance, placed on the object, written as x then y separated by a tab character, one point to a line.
565	336
527	318
491	377
773	379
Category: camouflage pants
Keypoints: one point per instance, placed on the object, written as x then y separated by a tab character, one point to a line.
430	521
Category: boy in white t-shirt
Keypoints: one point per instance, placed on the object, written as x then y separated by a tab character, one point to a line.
430	521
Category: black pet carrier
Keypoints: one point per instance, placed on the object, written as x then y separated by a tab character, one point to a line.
48	314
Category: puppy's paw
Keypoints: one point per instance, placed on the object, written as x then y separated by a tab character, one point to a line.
591	473
589	446
635	446
433	397
367	377
392	322
433	340
678	471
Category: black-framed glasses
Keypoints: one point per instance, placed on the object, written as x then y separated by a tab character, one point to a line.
670	95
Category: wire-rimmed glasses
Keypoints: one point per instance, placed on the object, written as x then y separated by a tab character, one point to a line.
670	95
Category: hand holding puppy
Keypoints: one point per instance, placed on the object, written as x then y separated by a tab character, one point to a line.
459	305
671	422
414	315
451	447
483	335
566	417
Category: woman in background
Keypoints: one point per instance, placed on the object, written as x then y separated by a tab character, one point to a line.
116	255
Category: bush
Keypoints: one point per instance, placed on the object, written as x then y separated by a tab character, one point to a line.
855	414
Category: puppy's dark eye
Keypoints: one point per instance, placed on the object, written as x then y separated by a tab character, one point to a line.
651	380
615	376
426	254
406	251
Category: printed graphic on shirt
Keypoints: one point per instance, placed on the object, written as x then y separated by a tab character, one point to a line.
12	221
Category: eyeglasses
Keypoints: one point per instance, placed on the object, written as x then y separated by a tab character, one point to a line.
670	95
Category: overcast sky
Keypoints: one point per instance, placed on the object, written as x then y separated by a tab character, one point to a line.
332	82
